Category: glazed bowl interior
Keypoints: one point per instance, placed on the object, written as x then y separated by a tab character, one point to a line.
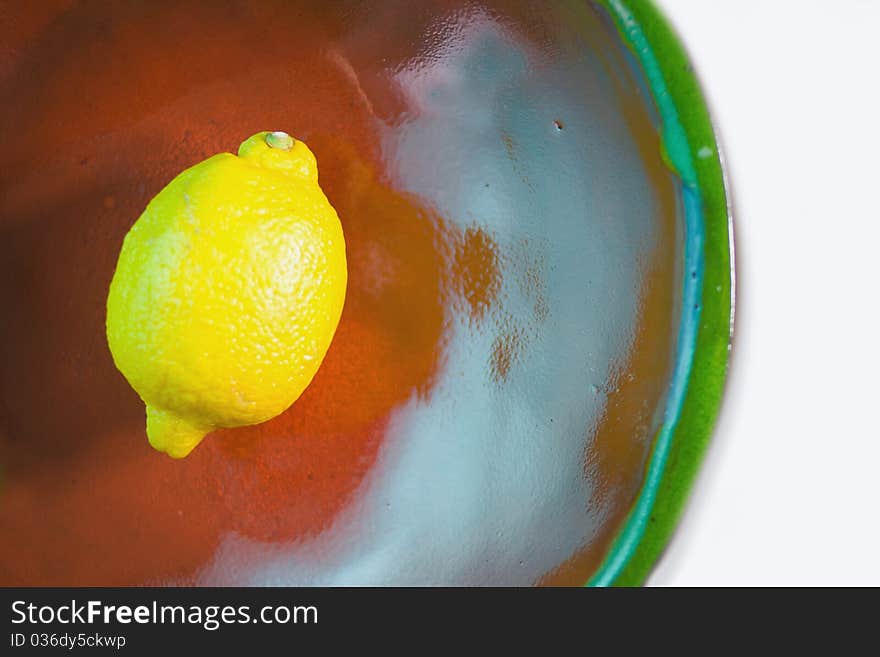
516	248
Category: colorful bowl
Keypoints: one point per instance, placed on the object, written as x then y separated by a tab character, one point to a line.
536	331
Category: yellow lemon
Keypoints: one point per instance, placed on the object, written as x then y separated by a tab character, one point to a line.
228	291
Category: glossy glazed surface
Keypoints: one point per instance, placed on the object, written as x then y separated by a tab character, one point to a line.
486	410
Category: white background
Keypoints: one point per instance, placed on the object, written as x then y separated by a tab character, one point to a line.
790	490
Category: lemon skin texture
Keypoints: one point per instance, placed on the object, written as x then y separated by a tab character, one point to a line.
227	293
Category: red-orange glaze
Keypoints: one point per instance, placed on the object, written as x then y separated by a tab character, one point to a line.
110	102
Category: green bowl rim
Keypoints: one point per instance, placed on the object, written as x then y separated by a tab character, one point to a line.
691	148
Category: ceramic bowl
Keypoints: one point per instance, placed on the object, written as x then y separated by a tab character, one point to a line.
537	323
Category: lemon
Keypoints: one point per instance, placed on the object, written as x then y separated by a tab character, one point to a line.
227	292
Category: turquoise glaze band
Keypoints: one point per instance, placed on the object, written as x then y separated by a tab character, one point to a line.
705	329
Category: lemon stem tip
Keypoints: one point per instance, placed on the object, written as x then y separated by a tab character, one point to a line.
280	140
